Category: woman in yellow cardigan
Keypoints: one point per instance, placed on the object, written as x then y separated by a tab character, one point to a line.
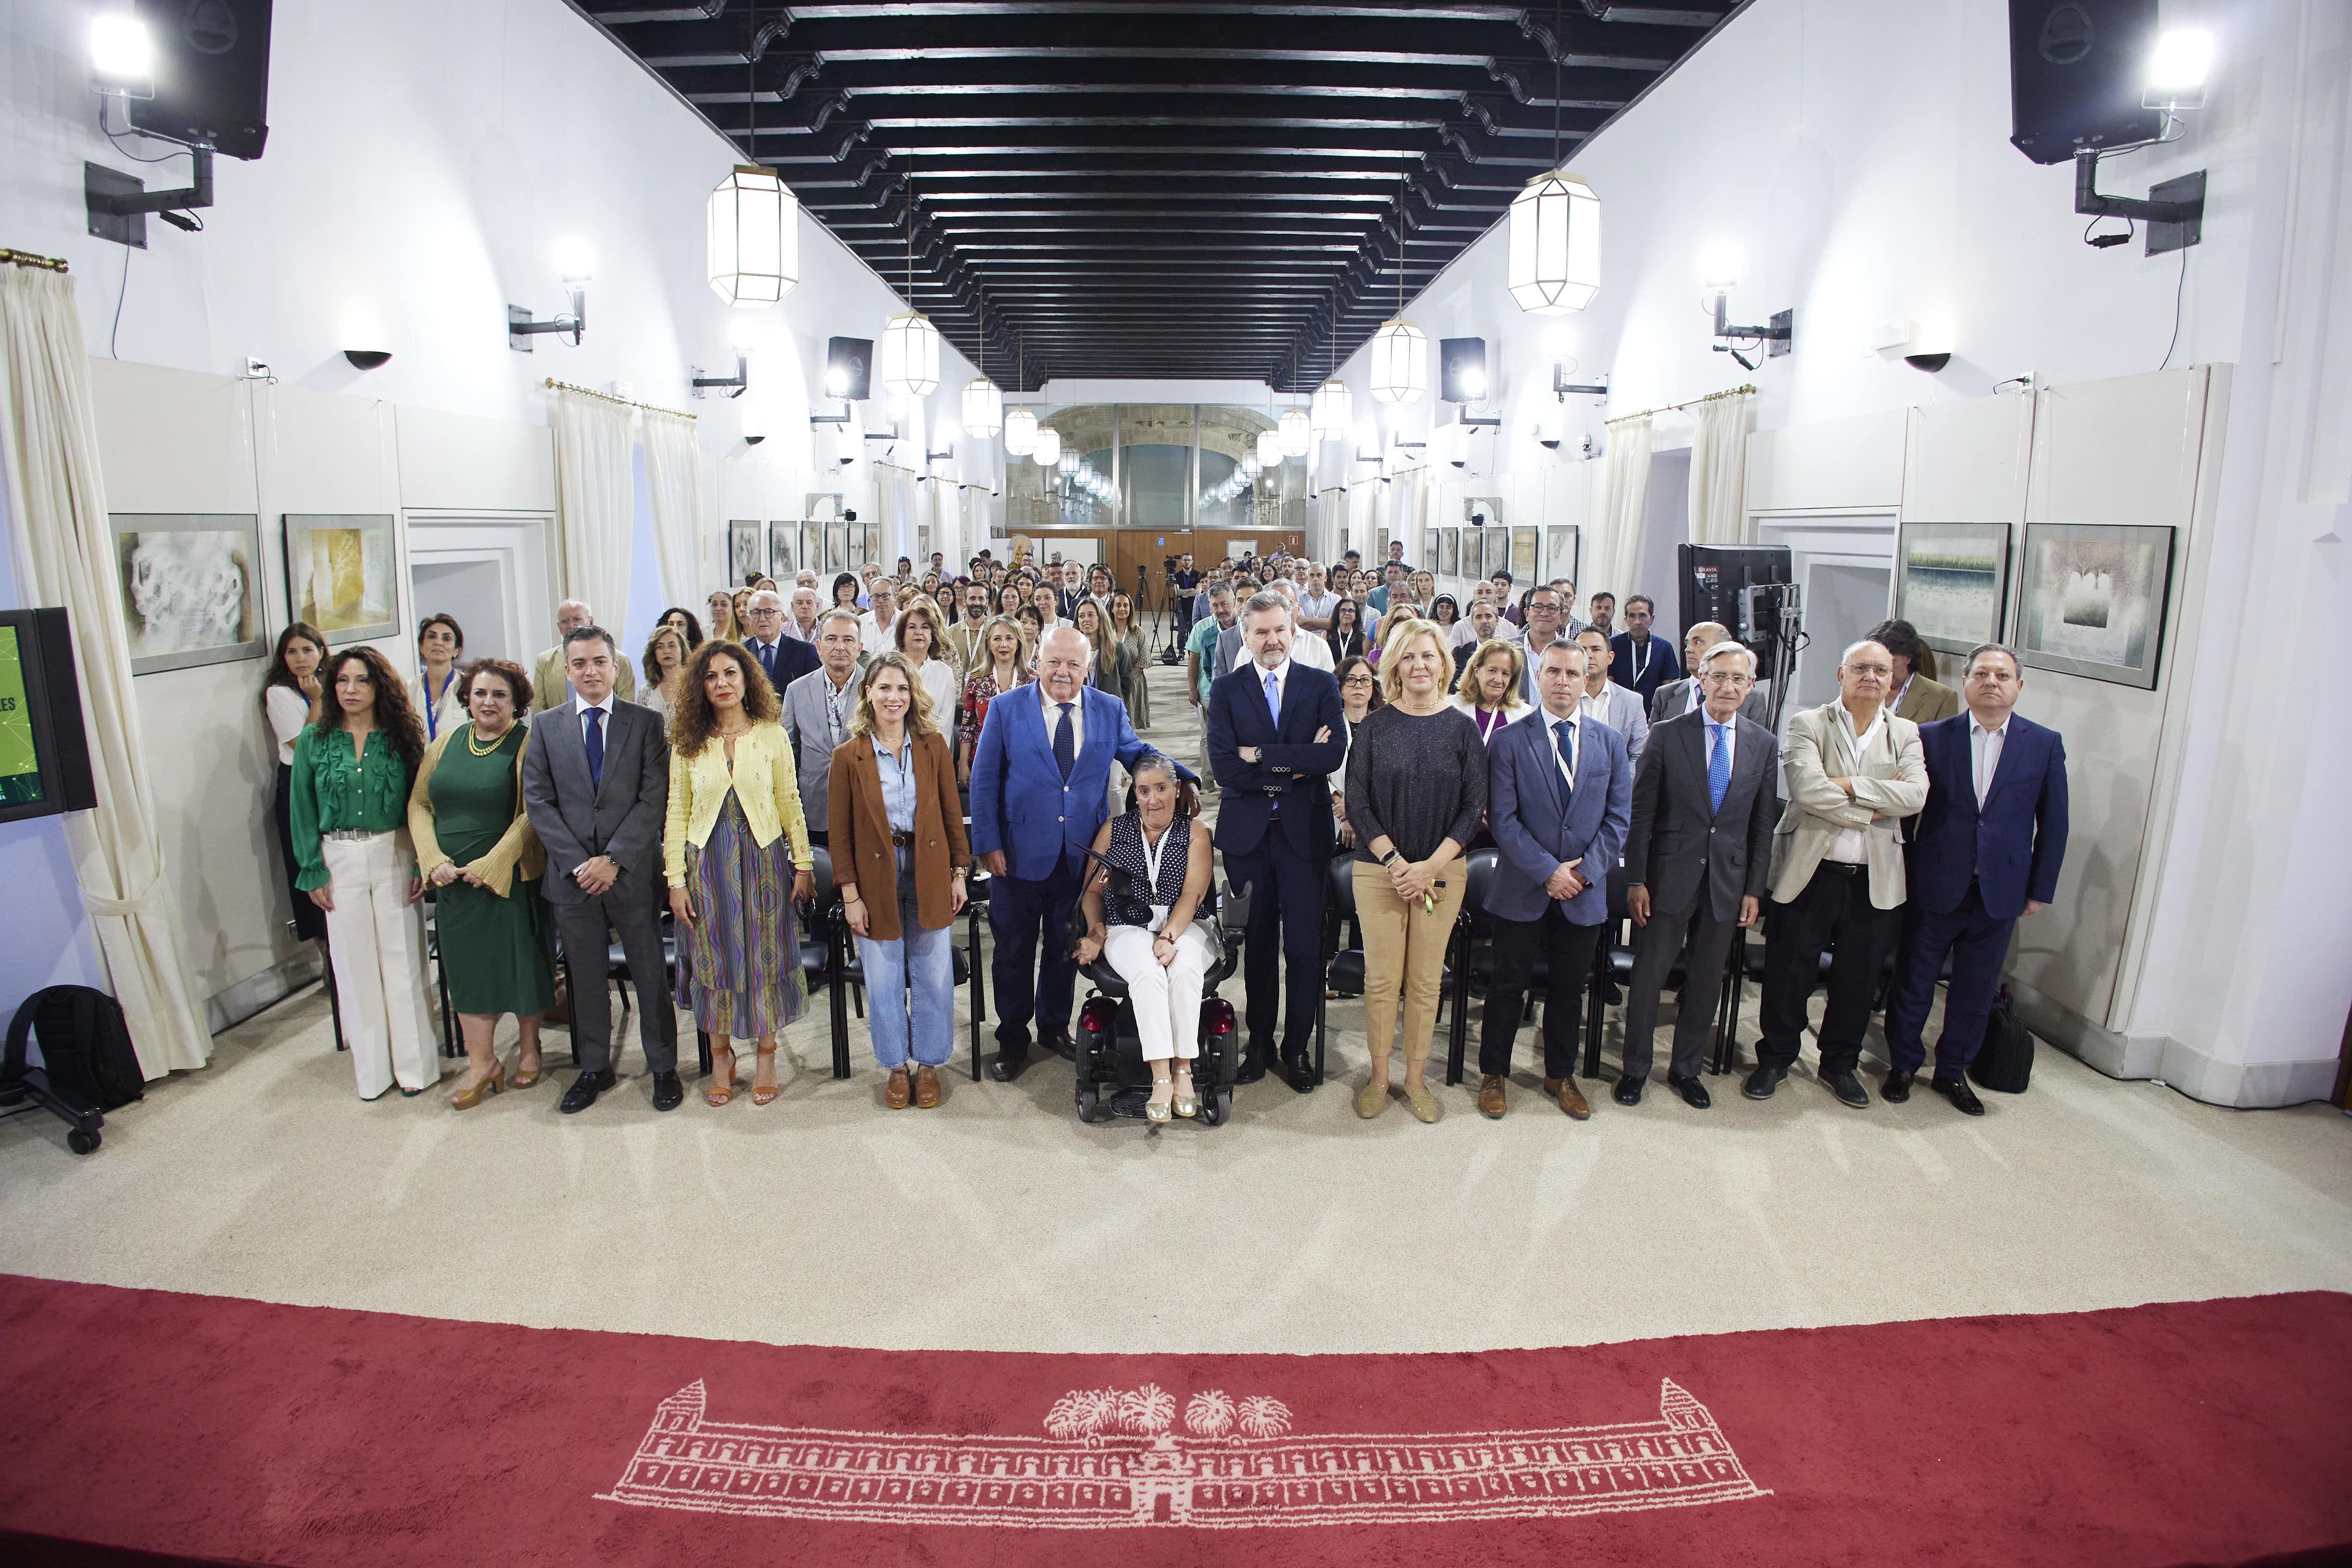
735	842
476	846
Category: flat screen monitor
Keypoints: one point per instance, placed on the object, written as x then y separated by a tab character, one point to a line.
44	751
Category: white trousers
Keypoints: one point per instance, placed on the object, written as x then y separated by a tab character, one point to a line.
1167	1000
376	938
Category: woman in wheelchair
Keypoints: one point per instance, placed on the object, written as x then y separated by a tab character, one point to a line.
1141	921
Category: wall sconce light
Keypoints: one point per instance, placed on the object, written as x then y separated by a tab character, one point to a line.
367	359
572	263
1774	337
122	58
739	380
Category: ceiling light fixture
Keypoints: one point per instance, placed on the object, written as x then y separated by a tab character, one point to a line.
1269	449
1332	410
1555	254
754	243
1047	453
1399	350
1020	432
1297	432
911	344
983	404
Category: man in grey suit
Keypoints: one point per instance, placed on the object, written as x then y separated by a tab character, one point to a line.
596	784
818	707
1696	863
1676	699
1854	770
1606	702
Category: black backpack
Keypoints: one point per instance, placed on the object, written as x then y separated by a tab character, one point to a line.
84	1044
2005	1062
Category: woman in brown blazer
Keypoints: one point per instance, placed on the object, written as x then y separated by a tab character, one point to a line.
899	857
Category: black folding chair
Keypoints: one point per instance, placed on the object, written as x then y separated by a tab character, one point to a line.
1471	926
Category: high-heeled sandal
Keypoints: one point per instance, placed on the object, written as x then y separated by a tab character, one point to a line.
492	1081
765	1096
1188	1103
721	1094
1156	1109
523	1079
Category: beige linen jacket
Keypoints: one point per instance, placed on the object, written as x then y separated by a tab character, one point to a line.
1890	782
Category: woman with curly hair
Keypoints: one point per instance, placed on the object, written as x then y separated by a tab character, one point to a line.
353	768
474	845
736	849
664	662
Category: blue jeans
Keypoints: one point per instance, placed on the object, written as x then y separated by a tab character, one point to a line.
910	984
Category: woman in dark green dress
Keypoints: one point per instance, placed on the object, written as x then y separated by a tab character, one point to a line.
476	846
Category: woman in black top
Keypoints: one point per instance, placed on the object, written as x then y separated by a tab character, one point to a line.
1416	794
1345	636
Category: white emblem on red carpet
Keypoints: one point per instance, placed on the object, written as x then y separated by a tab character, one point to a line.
1112	1458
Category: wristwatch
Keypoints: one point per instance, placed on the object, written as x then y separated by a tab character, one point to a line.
1392	857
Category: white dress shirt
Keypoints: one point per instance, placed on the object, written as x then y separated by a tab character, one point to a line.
1984	754
580	706
1053	712
876	637
1729	741
1309	649
1595	708
1565	761
1281	673
1318	605
1850	847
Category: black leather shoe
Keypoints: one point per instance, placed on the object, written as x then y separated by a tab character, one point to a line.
1963	1098
1299	1071
1693	1092
1848	1089
668	1093
1895	1087
1253	1069
1057	1041
1628	1091
584	1090
1004	1069
1762	1081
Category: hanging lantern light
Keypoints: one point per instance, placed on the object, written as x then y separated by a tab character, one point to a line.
1020	432
911	355
1047	452
983	408
1269	448
1332	412
1297	432
1249	463
1068	463
1555	245
1400	362
754	238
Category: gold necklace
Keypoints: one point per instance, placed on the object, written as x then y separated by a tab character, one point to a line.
495	741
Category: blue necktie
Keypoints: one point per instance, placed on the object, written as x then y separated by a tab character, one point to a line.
1065	755
768	661
1718	766
596	747
1566	730
1274	700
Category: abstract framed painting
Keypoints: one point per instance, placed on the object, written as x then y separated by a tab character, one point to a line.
1449	552
747	549
1525	560
782	561
191	585
340	574
813	548
2092	600
1951	582
1560	552
1497	552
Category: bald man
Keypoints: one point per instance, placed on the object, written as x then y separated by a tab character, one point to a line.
550	687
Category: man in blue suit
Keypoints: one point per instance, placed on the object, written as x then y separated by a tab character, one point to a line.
1559	797
1645	661
1040	784
1987	849
1272	731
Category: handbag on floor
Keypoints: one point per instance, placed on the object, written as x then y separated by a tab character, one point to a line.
2005	1062
85	1046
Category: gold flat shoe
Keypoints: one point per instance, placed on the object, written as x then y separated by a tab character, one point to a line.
1188	1102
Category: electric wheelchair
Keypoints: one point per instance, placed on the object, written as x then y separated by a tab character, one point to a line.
1107	1053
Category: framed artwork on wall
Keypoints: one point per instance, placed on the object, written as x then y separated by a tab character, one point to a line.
1449	552
874	545
747	549
813	551
191	585
836	554
1380	550
1524	561
2094	598
781	539
1495	547
1559	551
340	574
1951	582
1429	550
853	548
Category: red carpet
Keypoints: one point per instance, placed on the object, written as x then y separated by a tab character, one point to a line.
202	1427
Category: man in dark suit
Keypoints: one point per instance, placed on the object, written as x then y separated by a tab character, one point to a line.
1045	750
782	659
1559	794
1987	849
1643	659
1273	738
596	784
1697	863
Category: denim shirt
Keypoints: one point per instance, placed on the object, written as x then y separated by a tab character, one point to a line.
897	771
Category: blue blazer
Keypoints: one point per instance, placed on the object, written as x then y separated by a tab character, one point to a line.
794	659
1523	813
1290	763
2013	847
1661	665
1020	802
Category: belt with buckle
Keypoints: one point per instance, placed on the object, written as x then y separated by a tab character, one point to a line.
903	840
353	835
1844	868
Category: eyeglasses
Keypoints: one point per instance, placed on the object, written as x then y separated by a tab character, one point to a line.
1358	679
1725	678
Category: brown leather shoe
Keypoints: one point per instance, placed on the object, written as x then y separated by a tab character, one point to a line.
1492	1101
899	1091
1571	1099
926	1088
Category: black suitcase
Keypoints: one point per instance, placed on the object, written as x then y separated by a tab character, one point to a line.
2005	1062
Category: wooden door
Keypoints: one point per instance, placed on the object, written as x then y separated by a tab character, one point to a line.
1148	548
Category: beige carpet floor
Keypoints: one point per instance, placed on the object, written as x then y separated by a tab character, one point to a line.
999	1221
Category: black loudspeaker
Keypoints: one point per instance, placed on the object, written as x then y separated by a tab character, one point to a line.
1462	369
211	73
2075	71
849	368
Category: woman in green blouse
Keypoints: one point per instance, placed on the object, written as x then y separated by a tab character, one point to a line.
353	771
475	844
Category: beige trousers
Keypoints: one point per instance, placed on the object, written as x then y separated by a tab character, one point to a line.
1404	950
376	938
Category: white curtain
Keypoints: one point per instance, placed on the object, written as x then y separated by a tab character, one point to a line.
66	555
674	477
595	492
1616	553
1719	470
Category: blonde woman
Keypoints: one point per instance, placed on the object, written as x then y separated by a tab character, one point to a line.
899	857
1106	670
724	627
664	662
1491	686
1416	794
1129	638
1002	666
735	841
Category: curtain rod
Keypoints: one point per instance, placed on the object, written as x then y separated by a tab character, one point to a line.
26	259
624	403
1664	407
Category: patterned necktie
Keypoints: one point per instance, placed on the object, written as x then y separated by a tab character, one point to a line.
596	747
1272	697
1719	765
1566	730
1065	755
768	661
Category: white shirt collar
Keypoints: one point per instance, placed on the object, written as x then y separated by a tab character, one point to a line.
1281	673
582	705
2000	729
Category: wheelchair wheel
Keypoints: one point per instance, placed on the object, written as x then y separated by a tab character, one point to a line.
82	1143
1090	1108
1217	1108
12	1096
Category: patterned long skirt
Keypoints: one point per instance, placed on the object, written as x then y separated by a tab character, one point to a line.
746	979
